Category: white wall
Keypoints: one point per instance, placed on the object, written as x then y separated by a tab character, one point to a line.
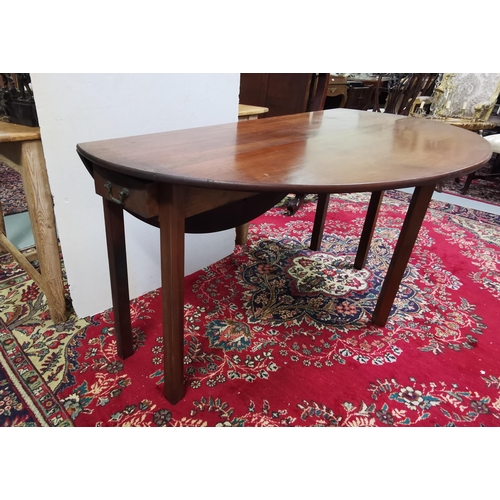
75	108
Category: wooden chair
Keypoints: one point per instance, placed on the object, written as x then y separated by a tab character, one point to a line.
362	98
402	95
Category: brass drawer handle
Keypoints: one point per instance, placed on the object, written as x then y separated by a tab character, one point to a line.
123	195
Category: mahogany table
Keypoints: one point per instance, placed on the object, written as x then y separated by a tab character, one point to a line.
213	178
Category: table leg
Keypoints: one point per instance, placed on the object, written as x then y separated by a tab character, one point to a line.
117	257
43	224
407	237
242	234
368	229
171	216
319	221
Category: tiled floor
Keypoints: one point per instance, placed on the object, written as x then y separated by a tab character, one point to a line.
18	226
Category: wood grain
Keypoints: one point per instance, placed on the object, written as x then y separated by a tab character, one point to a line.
43	224
172	278
338	150
10	132
205	172
117	259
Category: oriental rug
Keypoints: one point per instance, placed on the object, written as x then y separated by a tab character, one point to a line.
278	335
484	190
12	197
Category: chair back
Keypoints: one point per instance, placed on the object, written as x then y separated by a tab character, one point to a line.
403	93
465	95
360	97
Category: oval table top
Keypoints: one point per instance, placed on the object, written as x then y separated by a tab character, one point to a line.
337	150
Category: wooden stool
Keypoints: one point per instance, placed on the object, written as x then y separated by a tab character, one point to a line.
21	149
247	112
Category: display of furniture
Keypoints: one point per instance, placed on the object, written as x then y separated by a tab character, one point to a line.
21	149
16	99
406	90
213	178
462	99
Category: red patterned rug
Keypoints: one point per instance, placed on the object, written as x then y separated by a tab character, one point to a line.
277	335
12	198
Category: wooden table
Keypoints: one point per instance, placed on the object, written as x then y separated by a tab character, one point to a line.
213	178
21	149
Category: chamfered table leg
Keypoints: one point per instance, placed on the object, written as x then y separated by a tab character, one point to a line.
242	234
319	221
117	258
43	224
407	237
368	229
171	216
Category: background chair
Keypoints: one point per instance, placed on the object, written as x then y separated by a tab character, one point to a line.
464	100
360	97
406	89
494	174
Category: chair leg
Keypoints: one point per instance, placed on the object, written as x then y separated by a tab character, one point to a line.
468	182
293	205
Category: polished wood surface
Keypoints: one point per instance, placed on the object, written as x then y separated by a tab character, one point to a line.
336	150
191	180
21	149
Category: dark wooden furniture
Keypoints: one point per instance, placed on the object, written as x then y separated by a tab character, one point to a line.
213	178
284	93
361	98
